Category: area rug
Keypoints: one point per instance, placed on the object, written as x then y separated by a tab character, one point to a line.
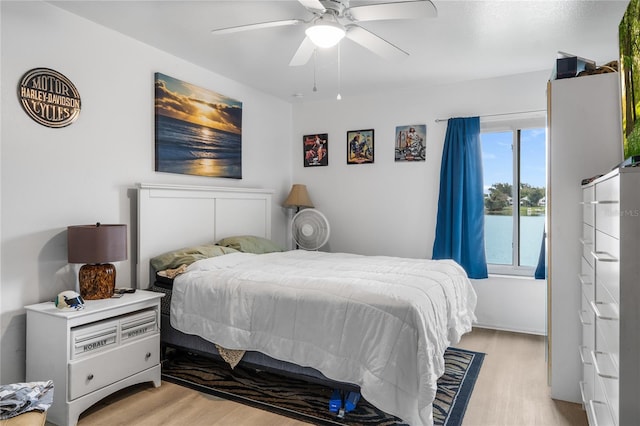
309	402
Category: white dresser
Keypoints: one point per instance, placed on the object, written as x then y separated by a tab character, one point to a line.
610	289
93	352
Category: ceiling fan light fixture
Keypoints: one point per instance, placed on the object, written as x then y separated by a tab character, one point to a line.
325	34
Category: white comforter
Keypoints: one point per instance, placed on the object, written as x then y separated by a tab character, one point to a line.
380	322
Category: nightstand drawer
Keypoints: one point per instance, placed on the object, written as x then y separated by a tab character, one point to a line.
104	335
138	325
90	339
93	373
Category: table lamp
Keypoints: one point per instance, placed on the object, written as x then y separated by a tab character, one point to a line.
298	197
96	246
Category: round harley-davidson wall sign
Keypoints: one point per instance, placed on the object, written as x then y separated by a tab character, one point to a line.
49	97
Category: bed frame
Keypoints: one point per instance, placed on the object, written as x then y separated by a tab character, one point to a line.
175	216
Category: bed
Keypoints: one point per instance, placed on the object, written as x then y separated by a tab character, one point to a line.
374	323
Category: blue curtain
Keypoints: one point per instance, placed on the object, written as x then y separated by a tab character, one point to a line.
460	221
541	269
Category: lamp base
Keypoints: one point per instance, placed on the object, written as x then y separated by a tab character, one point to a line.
97	281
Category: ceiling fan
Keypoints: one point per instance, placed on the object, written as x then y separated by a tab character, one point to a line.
335	19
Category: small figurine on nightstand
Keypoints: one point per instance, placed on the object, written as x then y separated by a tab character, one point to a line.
69	300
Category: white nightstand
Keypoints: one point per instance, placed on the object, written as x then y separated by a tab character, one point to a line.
91	353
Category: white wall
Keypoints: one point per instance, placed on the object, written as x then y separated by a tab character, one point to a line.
52	178
512	304
389	208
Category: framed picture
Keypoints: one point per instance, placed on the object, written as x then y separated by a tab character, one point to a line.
197	131
630	79
360	146
316	150
411	142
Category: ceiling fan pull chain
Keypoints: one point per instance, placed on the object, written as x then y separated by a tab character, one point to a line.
339	97
315	53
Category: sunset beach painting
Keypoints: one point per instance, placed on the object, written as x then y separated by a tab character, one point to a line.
197	131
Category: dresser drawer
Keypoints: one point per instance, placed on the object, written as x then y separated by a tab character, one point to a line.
587	241
612	396
92	373
607	209
589	213
608	218
588	322
608	189
587	384
586	279
608	339
588	209
607	252
604	413
607	323
588	193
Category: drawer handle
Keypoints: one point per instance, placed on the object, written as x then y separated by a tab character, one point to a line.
603	411
585	279
603	363
583	393
603	256
585	359
90	376
585	242
147	356
605	311
583	321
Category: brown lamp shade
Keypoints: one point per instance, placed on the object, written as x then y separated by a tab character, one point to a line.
298	197
97	245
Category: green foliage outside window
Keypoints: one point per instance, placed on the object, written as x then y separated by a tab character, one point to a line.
499	200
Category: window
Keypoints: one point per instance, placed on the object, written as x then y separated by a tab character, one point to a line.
514	170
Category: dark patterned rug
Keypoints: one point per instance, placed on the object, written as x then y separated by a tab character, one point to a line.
310	402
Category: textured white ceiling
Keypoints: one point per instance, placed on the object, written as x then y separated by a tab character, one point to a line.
468	40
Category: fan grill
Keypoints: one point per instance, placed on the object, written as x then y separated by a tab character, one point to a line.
310	229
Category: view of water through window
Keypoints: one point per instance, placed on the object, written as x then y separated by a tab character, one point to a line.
500	199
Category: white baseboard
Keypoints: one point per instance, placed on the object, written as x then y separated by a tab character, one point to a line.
510	329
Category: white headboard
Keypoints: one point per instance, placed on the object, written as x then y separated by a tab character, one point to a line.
176	216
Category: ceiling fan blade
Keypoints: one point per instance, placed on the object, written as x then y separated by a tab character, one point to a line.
312	4
303	54
374	43
260	25
416	9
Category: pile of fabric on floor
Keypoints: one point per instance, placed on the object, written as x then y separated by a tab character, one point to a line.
19	398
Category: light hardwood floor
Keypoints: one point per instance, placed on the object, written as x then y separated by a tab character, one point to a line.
511	391
512	386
